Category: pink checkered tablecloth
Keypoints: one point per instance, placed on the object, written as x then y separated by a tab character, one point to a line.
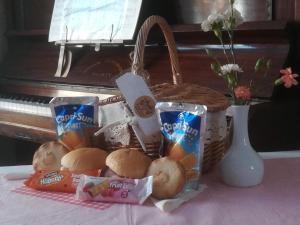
61	197
274	202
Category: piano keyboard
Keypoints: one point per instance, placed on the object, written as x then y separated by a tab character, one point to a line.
35	105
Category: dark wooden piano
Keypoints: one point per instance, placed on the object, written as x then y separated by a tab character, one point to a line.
28	62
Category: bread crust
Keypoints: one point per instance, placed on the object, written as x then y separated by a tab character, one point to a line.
83	159
168	177
129	163
48	156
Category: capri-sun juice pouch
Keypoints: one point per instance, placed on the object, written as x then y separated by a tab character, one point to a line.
75	119
183	127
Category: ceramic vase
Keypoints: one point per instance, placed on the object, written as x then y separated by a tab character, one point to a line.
241	165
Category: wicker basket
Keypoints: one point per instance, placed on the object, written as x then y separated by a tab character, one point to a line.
216	135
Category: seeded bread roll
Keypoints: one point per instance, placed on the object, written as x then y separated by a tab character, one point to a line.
83	159
48	156
168	177
128	163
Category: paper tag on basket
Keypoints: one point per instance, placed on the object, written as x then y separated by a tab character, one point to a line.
142	103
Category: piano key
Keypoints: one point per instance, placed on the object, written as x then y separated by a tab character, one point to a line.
35	105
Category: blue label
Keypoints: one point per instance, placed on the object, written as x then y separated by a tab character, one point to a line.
73	117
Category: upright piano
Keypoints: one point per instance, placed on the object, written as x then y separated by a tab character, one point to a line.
27	81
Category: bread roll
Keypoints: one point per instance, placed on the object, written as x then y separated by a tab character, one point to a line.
128	163
84	159
48	156
168	177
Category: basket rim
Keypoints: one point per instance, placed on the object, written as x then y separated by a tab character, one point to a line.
217	102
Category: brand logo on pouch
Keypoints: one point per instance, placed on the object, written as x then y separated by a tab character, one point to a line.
170	128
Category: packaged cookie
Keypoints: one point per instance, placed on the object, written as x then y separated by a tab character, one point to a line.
183	127
114	189
57	180
75	119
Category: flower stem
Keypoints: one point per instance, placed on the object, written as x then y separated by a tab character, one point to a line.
230	34
224	49
231	37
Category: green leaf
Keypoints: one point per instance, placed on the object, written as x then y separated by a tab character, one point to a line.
209	52
218	33
232	22
278	81
260	64
216	68
231	80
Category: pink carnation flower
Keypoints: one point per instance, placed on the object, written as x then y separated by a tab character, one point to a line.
242	92
288	78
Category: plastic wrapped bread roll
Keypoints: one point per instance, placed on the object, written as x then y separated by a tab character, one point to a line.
168	177
128	163
48	156
82	160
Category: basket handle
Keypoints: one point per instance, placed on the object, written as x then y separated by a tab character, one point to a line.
138	56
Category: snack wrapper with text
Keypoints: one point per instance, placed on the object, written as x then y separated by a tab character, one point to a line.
183	127
114	189
75	119
58	181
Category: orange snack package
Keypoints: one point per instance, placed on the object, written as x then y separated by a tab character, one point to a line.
59	181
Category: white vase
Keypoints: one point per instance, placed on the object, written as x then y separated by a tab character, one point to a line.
241	165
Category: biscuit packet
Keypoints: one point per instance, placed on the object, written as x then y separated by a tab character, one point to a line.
183	127
114	189
75	119
57	180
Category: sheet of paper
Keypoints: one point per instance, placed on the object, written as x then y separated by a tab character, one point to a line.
94	21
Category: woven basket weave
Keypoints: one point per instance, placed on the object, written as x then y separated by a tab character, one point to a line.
215	140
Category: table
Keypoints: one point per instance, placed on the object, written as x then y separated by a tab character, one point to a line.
274	202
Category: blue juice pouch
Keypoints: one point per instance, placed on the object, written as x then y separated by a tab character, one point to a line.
75	119
183	127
